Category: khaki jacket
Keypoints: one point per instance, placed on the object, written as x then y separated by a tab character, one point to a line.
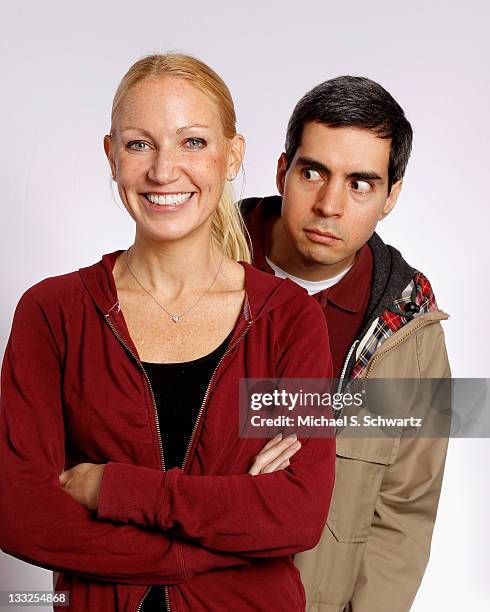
376	543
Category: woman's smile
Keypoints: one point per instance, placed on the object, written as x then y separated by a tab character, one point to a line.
165	199
168	202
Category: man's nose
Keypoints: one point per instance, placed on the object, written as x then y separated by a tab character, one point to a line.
331	199
164	167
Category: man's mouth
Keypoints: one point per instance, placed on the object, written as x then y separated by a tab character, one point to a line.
326	235
168	199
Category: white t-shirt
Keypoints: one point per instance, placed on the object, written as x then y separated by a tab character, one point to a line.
310	286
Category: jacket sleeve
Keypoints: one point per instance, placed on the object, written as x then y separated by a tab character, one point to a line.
39	522
262	516
398	547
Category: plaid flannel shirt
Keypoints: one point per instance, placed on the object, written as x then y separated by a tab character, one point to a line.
390	322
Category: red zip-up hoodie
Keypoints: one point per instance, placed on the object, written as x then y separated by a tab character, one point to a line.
74	390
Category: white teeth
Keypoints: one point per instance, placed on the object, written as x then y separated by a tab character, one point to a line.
168	200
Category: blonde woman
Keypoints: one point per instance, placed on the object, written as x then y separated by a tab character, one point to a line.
122	467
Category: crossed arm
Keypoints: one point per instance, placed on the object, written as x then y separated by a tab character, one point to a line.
41	523
83	481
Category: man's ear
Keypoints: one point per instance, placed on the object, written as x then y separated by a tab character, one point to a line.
281	172
391	199
108	152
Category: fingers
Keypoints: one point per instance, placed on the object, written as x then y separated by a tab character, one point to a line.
272	442
284	457
269	452
274	453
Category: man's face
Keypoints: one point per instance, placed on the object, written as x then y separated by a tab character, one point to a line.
334	193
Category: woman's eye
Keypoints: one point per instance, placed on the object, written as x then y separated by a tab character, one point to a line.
311	175
195	143
361	186
138	145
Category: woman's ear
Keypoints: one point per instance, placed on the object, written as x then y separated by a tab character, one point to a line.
110	157
237	152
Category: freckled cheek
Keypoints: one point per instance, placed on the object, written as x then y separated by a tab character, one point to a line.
129	173
211	173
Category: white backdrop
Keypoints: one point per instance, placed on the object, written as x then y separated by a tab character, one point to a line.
61	63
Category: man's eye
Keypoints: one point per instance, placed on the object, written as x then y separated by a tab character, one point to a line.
311	175
195	143
138	145
361	186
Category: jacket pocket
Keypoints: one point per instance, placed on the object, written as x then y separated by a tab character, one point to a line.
359	469
324	607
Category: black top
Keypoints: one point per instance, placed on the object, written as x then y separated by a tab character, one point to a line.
179	390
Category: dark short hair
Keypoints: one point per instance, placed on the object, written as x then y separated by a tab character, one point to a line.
355	102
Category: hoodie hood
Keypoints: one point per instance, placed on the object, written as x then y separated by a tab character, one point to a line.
391	275
263	291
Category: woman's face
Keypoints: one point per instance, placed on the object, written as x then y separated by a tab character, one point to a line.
170	157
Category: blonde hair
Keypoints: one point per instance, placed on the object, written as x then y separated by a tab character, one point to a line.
227	226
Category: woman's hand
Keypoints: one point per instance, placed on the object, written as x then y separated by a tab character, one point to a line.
82	482
275	455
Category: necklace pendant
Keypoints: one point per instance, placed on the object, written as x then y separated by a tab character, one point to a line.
175	318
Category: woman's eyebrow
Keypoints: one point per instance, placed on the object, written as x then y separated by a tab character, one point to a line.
178	131
136	129
192	125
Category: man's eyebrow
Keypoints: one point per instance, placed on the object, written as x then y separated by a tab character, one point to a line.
312	163
357	175
365	176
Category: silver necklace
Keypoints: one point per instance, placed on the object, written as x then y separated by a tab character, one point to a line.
175	318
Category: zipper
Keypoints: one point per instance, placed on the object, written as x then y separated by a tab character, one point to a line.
378	355
338	413
118	336
346	363
143	599
203	404
395	344
155	412
196	424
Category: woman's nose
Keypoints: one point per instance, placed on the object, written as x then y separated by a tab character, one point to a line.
165	167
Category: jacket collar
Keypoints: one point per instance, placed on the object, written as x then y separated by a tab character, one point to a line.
258	212
263	291
348	294
391	273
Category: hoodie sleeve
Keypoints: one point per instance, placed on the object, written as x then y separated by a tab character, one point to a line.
39	522
266	515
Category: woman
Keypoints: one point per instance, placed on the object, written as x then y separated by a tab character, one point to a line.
156	490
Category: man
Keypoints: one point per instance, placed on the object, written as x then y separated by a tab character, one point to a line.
347	147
